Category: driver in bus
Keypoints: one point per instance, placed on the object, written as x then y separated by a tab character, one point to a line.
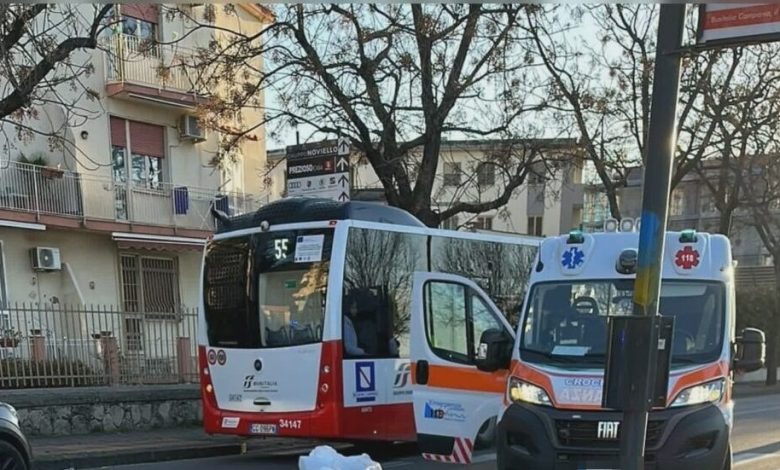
350	336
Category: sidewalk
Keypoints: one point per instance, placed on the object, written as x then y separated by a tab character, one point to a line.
108	449
752	389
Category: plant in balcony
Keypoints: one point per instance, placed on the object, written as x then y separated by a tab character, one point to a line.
38	159
10	338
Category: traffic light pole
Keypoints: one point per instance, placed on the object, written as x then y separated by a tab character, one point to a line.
655	200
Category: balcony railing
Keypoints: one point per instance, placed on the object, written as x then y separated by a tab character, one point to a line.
49	191
132	59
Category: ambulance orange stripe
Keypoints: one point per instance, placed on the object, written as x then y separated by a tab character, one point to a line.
464	378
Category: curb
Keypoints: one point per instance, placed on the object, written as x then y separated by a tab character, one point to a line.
105	459
746	390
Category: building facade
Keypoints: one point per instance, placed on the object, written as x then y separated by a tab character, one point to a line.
118	213
549	202
691	206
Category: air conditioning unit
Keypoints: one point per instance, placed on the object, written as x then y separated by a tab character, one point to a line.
45	259
189	128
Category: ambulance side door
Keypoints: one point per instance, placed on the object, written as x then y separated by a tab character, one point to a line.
452	397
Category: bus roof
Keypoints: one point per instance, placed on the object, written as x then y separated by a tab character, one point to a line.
295	210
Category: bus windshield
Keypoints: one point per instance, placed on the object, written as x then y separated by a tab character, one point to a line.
267	289
566	322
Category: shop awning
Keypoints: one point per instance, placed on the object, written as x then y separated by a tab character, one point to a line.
137	241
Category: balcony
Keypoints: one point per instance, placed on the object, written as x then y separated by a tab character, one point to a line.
30	193
140	70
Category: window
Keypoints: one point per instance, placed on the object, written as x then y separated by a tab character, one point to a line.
566	321
451	223
378	274
482	223
456	317
535	226
707	203
483	320
146	144
486	174
677	203
445	311
150	286
140	20
536	178
452	173
143	30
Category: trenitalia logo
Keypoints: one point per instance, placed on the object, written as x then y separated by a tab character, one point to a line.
402	375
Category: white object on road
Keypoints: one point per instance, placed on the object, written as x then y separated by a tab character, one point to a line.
326	458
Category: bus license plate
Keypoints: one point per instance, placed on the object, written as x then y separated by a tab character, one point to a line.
263	429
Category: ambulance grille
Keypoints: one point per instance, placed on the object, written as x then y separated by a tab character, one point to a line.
578	433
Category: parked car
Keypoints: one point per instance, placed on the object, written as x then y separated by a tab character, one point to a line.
15	453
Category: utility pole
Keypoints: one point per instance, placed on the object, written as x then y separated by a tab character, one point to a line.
655	201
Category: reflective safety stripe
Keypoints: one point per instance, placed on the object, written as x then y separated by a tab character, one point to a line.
464	378
461	452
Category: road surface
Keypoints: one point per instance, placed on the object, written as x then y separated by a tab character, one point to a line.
756	443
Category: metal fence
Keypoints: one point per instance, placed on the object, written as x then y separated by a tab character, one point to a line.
133	59
42	190
58	346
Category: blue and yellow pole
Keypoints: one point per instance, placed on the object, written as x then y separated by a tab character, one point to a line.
655	200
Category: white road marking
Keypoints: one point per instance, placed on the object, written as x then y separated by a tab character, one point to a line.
745	458
738	413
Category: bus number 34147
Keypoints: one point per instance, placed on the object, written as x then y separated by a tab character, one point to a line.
290	423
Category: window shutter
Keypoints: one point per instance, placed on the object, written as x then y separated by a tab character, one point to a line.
147	139
142	11
118	135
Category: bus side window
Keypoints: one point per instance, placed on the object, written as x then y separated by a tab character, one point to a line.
380	266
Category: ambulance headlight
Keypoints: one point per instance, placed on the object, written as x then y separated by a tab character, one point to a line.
709	392
523	392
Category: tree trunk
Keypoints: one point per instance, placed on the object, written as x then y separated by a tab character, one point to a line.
773	335
724	223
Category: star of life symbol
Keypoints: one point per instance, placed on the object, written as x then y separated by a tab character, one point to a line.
687	258
572	258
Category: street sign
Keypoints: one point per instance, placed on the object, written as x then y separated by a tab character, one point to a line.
319	169
738	23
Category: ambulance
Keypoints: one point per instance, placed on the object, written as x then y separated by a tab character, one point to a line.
541	384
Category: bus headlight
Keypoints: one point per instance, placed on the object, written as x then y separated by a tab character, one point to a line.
523	392
709	392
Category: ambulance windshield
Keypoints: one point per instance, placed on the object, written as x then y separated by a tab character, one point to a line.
566	322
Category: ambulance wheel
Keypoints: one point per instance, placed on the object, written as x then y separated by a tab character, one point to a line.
486	437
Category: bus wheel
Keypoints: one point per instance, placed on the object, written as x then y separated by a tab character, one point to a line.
486	437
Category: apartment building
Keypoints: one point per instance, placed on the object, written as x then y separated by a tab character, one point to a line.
549	202
691	205
118	215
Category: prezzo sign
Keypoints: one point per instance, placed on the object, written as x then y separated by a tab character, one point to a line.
738	22
319	169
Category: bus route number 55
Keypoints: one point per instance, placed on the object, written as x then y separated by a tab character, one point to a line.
281	247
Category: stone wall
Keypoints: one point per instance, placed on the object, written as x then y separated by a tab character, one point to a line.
48	412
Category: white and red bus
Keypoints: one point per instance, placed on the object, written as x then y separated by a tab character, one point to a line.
304	326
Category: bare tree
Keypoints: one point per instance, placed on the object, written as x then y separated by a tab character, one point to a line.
762	191
40	64
393	78
602	88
